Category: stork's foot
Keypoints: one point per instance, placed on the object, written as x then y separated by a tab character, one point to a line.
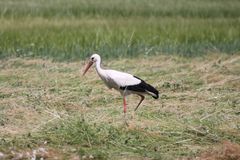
126	123
132	115
126	120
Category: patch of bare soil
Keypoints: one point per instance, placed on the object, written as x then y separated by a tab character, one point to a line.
38	153
226	151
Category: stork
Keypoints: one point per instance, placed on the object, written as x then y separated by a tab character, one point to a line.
125	83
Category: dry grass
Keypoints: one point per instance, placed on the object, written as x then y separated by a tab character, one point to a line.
199	106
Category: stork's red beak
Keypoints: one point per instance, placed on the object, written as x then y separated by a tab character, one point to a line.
90	63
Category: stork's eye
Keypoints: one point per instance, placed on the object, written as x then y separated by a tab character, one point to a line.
92	58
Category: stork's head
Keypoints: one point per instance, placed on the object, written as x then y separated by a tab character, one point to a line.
93	59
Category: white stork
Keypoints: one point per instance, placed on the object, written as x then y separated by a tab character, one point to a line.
125	83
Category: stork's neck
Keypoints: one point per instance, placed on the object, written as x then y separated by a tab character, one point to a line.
99	69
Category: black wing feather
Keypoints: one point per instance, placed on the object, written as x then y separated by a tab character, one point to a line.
142	87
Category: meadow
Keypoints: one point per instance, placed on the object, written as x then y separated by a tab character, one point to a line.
188	50
71	30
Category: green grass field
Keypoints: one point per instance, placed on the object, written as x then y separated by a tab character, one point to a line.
71	30
188	49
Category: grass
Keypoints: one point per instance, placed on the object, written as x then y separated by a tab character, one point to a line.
125	8
188	49
49	110
72	30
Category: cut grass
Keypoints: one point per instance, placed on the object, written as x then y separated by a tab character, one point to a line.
49	105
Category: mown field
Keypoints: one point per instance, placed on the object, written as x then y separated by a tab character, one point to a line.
188	49
50	108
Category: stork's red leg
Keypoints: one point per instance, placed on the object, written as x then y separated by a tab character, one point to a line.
125	110
142	98
124	105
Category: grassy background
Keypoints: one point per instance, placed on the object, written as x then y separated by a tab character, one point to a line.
47	110
71	30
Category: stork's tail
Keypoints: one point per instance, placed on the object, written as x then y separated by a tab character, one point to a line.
149	89
142	87
152	91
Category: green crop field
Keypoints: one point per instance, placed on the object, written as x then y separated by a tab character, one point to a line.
188	49
70	30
